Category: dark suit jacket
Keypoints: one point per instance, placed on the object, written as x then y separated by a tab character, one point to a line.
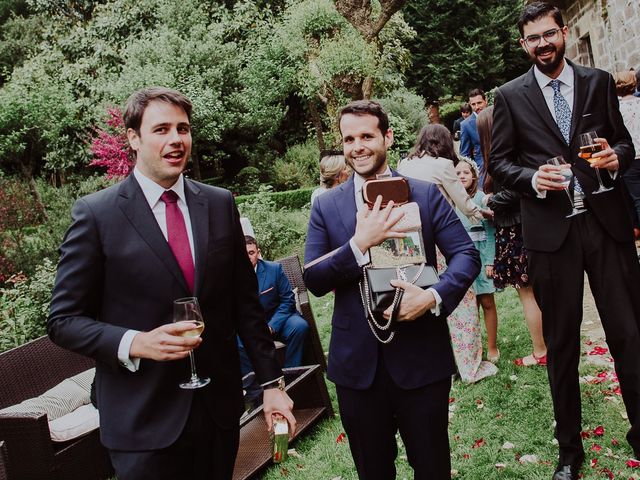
276	294
469	140
525	136
421	351
117	272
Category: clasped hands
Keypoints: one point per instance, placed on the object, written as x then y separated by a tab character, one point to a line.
549	179
375	225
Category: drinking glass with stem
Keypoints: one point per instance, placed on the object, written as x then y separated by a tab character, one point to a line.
589	146
565	171
188	310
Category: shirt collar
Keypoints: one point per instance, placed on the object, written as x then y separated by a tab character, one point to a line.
358	181
152	191
566	76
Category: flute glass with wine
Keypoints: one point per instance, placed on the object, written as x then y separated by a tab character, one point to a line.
565	171
188	310
589	146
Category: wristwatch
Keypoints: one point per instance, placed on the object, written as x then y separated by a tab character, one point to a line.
279	384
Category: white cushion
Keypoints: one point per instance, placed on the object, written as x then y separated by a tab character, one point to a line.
60	400
75	424
296	295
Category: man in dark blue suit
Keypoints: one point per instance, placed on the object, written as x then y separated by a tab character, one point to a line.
279	304
469	140
402	385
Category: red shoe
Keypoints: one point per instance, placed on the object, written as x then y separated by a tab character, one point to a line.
531	360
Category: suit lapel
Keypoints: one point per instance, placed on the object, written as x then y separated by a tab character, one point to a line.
261	273
346	205
134	205
580	94
533	93
199	215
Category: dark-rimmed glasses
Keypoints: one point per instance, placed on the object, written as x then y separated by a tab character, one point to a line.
533	41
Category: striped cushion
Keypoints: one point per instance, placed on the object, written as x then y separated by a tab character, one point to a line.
65	397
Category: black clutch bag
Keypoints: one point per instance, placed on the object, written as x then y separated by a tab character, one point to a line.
378	294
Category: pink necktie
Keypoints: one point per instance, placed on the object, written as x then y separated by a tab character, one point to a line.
178	238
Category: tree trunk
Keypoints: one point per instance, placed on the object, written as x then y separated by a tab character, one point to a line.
317	124
27	174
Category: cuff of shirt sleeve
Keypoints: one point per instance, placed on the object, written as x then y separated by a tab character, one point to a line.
436	309
131	364
539	193
361	259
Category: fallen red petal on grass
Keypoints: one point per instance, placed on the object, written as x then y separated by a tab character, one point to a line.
452	399
615	442
466	456
607	472
598	431
598	351
585	434
340	438
593	462
595	447
602	374
633	463
479	443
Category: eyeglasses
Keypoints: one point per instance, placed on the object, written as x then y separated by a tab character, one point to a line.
533	41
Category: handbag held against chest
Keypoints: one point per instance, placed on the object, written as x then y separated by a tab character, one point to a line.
395	258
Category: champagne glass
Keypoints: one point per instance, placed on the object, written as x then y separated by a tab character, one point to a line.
566	172
589	146
188	310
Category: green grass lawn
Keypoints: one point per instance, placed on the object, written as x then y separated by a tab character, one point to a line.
512	407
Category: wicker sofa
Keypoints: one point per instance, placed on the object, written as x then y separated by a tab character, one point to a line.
26	372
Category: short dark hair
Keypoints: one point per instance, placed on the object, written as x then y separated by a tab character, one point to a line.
249	240
138	102
366	107
536	10
475	92
465	108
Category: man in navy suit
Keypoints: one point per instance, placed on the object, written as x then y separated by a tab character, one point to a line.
278	302
537	116
131	250
402	385
469	140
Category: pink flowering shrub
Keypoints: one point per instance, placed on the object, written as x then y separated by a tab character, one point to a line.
111	148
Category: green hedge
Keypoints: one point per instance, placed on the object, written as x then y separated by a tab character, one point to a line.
291	199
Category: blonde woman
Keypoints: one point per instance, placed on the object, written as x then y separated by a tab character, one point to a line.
333	172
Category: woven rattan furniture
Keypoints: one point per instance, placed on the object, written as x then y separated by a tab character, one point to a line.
313	353
28	371
307	389
4	462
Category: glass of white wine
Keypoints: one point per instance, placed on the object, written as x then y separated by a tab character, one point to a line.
565	171
188	310
589	146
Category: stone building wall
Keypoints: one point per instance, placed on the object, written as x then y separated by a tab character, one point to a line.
603	33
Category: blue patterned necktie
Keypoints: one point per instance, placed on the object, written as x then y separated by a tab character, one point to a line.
563	119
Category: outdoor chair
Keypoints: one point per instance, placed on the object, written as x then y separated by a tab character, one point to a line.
313	353
26	372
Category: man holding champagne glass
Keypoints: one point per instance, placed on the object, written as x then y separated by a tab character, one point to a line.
539	116
131	251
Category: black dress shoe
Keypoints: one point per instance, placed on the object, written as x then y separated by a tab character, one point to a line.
568	471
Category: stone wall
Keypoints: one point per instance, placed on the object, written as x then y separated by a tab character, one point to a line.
604	33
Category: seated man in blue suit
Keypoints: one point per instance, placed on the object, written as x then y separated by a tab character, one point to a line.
283	320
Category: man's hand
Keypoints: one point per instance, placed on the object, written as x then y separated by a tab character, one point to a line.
606	158
548	178
414	304
375	226
275	400
164	343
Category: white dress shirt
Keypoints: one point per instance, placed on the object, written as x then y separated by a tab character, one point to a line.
152	193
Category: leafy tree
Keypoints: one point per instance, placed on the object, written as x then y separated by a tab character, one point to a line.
461	45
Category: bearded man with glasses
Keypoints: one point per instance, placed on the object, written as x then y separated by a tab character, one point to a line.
538	116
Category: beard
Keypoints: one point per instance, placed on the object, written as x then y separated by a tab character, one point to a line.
379	160
551	65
